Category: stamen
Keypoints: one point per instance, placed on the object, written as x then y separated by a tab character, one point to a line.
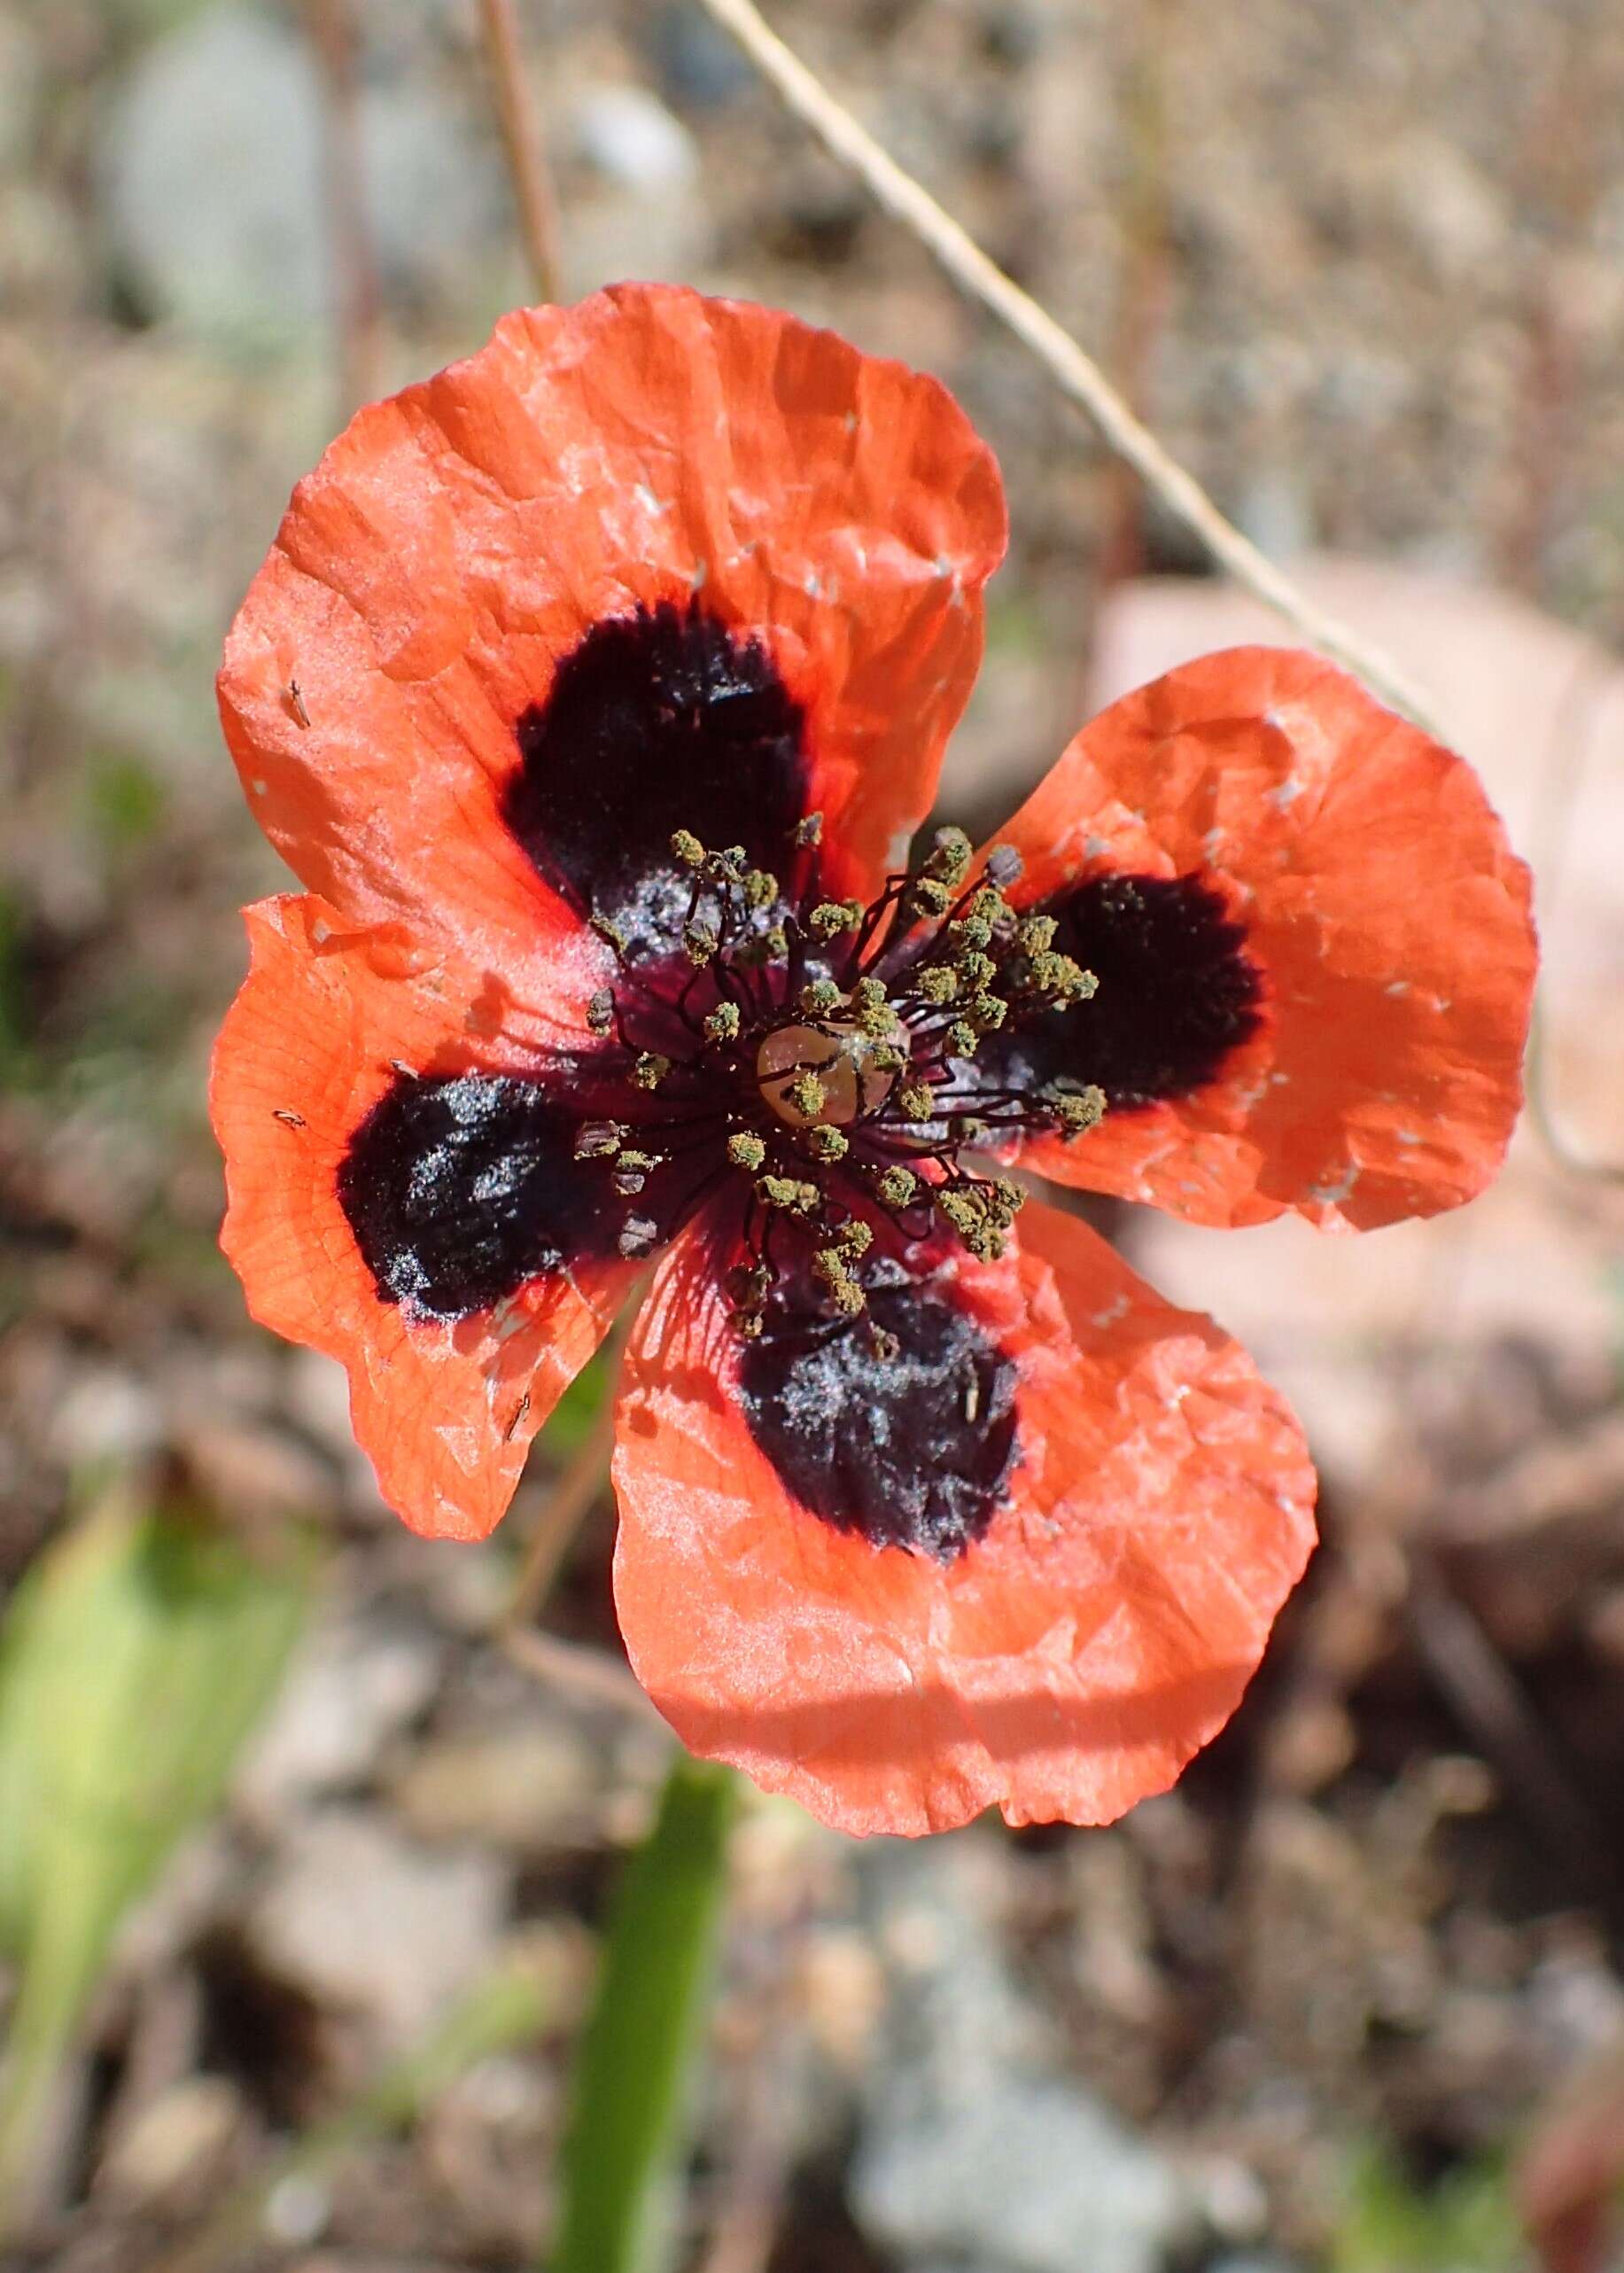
929	897
840	1092
830	918
916	1101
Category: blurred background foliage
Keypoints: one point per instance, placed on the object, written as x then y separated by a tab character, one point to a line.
307	1865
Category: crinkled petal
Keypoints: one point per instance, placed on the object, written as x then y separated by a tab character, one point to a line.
778	545
1063	1664
1354	867
332	1030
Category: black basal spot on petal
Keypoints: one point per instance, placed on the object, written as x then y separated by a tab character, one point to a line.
658	720
459	1190
911	1449
1177	993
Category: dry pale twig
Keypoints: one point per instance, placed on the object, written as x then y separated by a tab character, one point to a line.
521	134
1084	383
1078	376
358	294
592	1676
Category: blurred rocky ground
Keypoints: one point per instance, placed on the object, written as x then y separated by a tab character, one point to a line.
1364	270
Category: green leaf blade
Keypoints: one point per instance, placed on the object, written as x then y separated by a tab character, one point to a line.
134	1662
620	2155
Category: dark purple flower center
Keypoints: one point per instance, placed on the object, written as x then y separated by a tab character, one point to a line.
817	1056
822	1073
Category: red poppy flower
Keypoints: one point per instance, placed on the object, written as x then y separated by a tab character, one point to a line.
592	690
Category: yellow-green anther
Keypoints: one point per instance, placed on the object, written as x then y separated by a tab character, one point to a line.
833	916
963	1038
820	997
788	1192
968	1130
760	888
650	1070
1036	934
950	855
1076	1109
687	848
855	1237
848	1298
745	1151
612	932
963	1209
969	1215
1013	1195
897	1187
869	994
917	1100
825	1144
990	906
876	1020
928	896
722	1024
807	1095
977	969
630	1159
884	1344
809	830
699	943
597	1140
988	1012
885	1057
971	932
749	1323
937	984
828	1264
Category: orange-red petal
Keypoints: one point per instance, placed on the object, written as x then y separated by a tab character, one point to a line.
646	448
1389	920
1070	1661
445	1409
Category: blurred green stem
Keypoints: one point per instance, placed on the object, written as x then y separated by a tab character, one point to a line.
633	2073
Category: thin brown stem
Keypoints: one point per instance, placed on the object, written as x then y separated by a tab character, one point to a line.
521	134
357	294
1078	376
564	1510
591	1676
